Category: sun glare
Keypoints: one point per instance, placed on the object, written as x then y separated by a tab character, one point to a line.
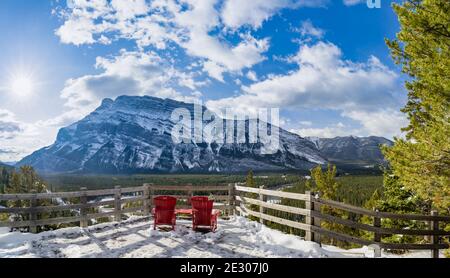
22	86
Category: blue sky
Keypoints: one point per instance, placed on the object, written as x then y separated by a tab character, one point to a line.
324	63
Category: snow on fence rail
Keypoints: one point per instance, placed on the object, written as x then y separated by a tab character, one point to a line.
313	215
232	198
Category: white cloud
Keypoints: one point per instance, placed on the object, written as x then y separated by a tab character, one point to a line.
308	29
80	26
322	80
77	32
19	138
325	81
305	123
332	131
220	57
188	80
252	75
383	122
353	2
214	70
130	8
130	73
187	23
237	13
8	124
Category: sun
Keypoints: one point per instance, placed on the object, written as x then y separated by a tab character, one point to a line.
22	85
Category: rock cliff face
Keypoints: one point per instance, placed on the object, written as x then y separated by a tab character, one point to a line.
133	135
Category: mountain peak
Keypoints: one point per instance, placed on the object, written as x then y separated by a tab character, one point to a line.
107	102
132	134
352	149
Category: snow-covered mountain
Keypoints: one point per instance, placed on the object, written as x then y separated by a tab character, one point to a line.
351	149
133	135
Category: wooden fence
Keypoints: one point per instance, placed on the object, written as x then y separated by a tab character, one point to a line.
229	198
313	216
117	198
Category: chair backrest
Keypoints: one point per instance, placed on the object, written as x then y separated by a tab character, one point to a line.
165	202
165	208
202	209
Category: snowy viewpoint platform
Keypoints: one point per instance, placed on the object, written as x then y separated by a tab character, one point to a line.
129	236
236	238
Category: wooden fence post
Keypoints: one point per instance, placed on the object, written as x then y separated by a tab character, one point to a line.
237	193
261	208
376	237
434	225
231	199
83	210
316	221
117	204
33	213
152	194
190	193
146	202
377	224
309	220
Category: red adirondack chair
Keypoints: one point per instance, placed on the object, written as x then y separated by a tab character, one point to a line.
203	215
164	211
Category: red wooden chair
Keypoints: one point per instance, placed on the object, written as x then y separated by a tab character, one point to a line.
203	214
164	211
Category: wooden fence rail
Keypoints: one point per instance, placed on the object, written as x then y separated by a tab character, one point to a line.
81	209
116	198
231	198
313	215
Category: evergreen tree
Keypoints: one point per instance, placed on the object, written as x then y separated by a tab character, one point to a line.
397	198
4	180
25	180
250	182
14	186
324	182
372	203
421	161
4	176
326	185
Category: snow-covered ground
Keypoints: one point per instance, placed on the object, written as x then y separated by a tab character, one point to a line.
135	237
